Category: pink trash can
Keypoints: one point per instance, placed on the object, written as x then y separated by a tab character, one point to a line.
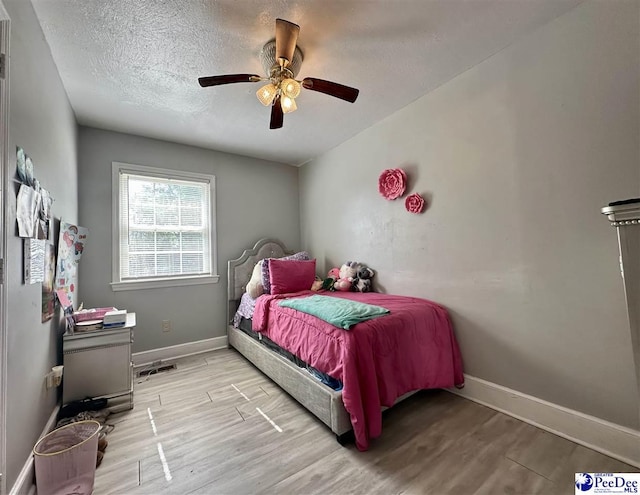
65	459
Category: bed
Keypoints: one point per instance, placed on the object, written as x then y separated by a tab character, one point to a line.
378	362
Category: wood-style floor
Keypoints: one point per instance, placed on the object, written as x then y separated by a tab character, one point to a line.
217	425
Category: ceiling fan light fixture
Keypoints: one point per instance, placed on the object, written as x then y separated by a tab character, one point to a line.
290	87
288	104
266	94
281	59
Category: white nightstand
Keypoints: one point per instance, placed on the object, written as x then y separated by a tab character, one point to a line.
98	364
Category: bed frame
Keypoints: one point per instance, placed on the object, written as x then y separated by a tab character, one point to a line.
319	399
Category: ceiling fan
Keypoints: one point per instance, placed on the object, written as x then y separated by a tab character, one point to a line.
281	59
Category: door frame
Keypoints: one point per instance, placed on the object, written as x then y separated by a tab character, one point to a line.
5	35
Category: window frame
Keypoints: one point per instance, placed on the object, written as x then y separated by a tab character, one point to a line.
117	284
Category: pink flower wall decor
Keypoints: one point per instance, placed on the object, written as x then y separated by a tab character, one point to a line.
414	203
392	183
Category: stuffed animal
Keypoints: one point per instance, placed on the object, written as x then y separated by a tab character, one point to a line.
317	284
255	288
349	270
365	272
350	276
347	274
343	284
362	283
332	276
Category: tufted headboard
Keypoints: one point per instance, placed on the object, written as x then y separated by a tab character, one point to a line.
239	270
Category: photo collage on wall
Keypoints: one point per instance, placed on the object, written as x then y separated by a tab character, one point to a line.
33	209
35	223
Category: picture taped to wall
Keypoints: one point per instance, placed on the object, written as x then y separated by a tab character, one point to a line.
48	295
21	165
27	206
72	240
34	258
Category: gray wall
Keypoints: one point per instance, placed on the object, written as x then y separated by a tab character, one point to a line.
517	156
254	199
42	122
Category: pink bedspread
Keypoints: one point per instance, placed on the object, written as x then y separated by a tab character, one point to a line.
413	347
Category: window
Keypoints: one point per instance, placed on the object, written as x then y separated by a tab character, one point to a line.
163	228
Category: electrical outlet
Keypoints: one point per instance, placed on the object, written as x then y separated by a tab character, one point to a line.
166	325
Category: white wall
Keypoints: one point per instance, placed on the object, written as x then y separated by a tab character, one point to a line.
42	122
516	156
254	199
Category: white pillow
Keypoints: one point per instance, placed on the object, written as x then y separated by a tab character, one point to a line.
254	287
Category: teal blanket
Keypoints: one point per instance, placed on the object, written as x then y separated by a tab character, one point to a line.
342	313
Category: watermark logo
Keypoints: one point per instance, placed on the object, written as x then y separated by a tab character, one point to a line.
584	482
607	483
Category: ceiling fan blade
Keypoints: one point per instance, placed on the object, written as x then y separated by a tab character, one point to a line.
286	39
227	79
331	88
277	116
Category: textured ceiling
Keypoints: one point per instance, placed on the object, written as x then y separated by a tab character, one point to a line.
132	65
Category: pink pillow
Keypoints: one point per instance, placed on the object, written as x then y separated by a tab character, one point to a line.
266	280
291	275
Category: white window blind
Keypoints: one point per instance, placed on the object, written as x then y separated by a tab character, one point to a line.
164	226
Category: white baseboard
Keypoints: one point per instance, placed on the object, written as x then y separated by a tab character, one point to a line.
608	438
24	484
145	358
